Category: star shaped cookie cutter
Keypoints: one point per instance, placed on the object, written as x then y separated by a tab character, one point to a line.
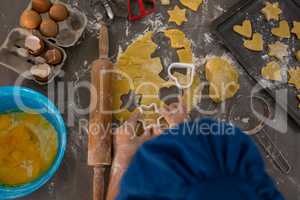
189	67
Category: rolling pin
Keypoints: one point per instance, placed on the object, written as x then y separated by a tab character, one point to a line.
100	137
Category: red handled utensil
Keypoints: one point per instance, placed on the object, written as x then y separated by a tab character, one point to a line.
138	9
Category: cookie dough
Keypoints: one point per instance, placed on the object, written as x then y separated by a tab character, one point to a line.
256	44
136	70
278	50
179	41
177	38
294	75
296	29
271	11
297	54
185	56
177	15
283	31
192	4
272	71
223	79
245	29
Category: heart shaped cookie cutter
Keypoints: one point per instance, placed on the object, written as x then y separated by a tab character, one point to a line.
190	68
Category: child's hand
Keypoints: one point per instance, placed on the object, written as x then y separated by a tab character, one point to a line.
175	113
126	141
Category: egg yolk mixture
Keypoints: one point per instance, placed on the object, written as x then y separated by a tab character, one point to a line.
28	146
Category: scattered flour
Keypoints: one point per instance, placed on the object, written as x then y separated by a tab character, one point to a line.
245	120
208	38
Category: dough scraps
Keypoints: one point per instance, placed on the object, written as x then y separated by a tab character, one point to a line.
192	4
135	70
295	77
245	29
139	72
271	11
223	79
283	31
178	39
185	55
183	79
278	50
272	71
256	44
296	29
177	15
297	54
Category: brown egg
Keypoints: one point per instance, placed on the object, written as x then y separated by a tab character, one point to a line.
53	56
41	6
34	45
30	19
58	12
49	28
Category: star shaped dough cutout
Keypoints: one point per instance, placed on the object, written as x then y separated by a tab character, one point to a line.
272	71
295	77
296	29
271	11
278	50
177	15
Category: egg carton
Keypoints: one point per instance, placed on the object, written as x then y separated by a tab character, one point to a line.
13	57
70	30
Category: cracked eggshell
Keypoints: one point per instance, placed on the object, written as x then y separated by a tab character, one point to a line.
41	72
21	63
34	44
53	56
30	19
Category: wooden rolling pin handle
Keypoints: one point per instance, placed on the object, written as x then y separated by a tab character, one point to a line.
103	42
100	137
98	186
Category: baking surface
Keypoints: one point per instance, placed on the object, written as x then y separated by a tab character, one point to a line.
253	61
74	179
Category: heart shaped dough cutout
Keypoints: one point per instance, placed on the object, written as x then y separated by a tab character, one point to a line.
283	31
256	44
245	29
296	29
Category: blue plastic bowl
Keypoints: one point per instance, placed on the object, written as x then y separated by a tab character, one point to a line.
23	99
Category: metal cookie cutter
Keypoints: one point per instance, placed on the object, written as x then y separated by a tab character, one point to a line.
190	72
152	108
